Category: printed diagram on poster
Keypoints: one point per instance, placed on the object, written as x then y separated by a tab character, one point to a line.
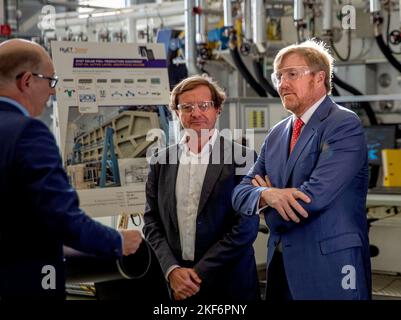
110	74
107	100
107	74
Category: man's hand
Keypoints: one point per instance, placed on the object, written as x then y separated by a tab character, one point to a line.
283	200
259	182
185	282
131	241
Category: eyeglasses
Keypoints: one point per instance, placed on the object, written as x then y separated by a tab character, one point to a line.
290	73
189	107
52	80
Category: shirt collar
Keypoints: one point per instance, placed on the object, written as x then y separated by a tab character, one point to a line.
16	105
308	113
206	148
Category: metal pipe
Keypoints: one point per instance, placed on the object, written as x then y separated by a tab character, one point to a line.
399	8
299	13
132	8
327	15
228	18
247	20
212	12
70	5
201	23
82	267
175	22
243	70
2	20
11	14
137	12
374	6
190	47
282	2
259	24
131	26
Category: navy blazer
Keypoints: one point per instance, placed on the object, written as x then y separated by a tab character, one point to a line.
224	255
39	211
326	256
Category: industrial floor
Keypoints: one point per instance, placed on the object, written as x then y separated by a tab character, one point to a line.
384	287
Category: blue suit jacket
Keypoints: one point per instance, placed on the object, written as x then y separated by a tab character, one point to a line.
329	164
224	256
39	211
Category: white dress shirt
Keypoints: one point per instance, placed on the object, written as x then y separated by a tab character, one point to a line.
308	113
190	176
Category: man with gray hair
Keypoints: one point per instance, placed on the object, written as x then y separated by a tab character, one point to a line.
311	181
40	209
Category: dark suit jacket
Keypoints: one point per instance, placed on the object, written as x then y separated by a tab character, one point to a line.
326	256
39	211
224	256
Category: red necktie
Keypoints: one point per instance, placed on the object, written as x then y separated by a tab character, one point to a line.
296	131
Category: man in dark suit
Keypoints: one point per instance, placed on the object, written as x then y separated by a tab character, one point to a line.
315	192
204	246
39	208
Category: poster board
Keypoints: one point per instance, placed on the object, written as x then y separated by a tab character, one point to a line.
100	85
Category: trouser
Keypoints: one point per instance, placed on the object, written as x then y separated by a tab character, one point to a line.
277	285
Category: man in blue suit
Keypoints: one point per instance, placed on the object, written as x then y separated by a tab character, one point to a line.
311	181
39	208
204	247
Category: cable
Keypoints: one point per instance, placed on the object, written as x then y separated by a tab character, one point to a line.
366	105
387	53
334	91
257	66
127	275
388	30
133	220
312	21
348	47
243	69
364	51
388	27
300	33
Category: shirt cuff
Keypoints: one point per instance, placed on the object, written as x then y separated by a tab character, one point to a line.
259	210
174	266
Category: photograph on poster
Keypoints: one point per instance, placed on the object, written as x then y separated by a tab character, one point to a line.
101	143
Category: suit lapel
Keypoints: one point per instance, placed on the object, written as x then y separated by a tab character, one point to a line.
171	180
213	171
321	113
305	136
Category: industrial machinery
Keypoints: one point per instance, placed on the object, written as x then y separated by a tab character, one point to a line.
235	43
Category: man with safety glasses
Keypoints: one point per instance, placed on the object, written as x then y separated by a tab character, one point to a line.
204	247
311	181
39	208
